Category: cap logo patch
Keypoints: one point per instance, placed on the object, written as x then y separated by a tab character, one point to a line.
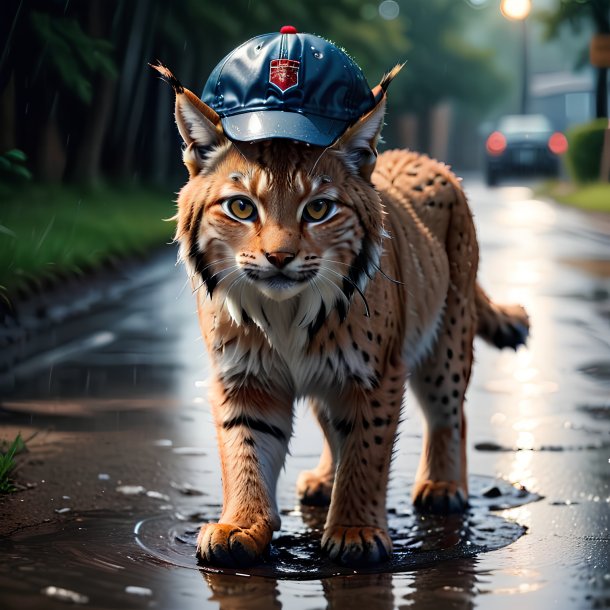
284	73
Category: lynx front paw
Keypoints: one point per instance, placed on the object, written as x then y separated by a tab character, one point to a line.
313	489
439	497
357	546
224	544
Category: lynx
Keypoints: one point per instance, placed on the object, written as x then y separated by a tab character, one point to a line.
336	276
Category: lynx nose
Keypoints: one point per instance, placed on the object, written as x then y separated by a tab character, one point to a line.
280	259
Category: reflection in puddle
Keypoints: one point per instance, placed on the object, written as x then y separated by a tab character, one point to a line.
295	553
101	561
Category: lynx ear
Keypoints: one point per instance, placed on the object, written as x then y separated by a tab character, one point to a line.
198	124
358	145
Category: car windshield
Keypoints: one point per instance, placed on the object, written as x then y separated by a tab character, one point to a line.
530	123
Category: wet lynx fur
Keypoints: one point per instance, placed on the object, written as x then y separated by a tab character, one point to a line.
336	276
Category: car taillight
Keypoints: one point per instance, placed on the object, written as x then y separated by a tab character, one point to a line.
496	144
558	143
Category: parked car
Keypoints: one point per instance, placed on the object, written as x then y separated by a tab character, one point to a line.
523	144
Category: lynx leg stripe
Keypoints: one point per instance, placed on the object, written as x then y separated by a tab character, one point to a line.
255	424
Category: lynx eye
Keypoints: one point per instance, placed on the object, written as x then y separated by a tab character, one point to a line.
240	208
317	210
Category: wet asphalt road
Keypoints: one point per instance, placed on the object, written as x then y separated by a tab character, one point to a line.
124	435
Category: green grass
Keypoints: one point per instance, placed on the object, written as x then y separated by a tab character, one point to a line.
594	196
46	232
8	463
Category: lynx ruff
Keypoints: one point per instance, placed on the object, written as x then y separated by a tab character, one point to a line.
333	275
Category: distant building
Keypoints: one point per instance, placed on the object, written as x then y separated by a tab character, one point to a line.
566	98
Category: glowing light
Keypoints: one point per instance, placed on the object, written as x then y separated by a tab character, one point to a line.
558	143
525	440
496	144
389	9
516	9
521	471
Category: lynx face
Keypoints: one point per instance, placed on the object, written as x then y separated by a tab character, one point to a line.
277	220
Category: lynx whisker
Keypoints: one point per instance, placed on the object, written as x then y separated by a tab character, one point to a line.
239	278
313	167
377	267
387	277
215	262
367	311
235	268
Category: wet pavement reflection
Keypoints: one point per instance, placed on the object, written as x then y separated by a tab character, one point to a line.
124	461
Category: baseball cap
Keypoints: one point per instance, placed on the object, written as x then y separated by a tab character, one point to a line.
287	85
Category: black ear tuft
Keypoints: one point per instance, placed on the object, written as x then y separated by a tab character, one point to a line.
380	90
168	77
390	76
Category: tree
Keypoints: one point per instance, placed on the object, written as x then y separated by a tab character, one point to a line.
575	13
77	96
47	70
442	64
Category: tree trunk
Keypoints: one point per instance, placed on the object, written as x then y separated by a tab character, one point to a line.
601	93
601	16
86	164
163	138
424	135
133	54
86	167
136	46
7	116
51	161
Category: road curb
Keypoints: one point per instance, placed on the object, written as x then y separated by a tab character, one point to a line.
41	314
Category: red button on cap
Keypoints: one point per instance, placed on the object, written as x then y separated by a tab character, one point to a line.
288	29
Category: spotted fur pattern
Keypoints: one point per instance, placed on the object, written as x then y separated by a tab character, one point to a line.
342	312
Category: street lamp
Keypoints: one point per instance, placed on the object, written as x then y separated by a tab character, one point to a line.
518	10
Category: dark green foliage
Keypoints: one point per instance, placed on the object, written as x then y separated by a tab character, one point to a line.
73	55
50	232
441	63
87	107
585	150
13	169
8	463
574	13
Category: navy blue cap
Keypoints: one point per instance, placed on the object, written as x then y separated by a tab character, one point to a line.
288	85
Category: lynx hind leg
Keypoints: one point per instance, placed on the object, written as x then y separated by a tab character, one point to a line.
501	325
440	381
314	487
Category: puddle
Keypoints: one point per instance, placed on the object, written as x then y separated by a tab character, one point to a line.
88	557
112	560
419	541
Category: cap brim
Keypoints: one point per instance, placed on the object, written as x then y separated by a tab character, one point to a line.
268	124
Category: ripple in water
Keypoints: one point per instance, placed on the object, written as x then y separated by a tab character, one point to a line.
419	541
